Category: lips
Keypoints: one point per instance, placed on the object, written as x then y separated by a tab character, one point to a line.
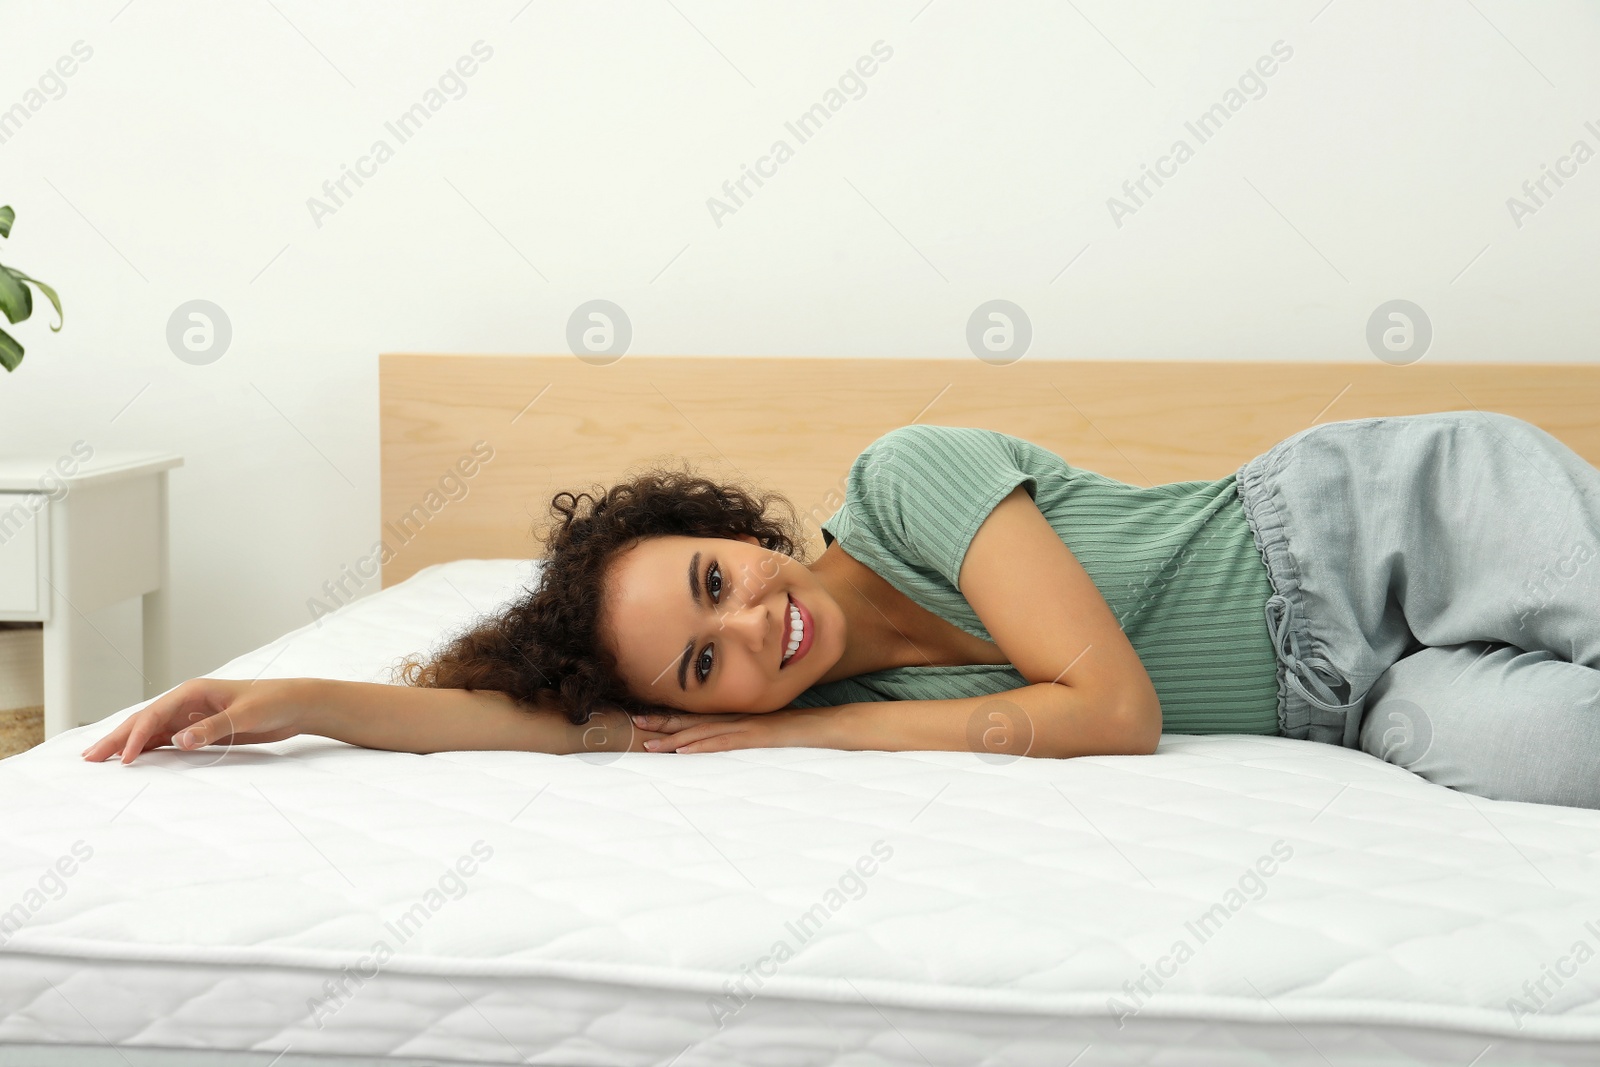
808	628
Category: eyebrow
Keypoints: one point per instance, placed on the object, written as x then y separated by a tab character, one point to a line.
694	591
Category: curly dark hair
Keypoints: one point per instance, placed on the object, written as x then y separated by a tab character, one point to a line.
548	642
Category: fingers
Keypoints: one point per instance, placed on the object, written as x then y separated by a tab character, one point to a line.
153	725
677	742
641	740
208	711
112	742
142	729
218	727
720	743
660	723
117	739
672	722
130	737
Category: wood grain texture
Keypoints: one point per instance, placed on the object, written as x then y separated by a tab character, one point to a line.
793	425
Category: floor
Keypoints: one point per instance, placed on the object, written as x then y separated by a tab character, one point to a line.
20	729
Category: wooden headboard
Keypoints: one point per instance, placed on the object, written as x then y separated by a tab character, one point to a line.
474	446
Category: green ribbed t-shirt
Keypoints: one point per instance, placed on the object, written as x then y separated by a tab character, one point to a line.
1176	563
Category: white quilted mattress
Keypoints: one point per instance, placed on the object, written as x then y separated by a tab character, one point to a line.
1229	900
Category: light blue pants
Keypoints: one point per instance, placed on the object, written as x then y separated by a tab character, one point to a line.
1437	598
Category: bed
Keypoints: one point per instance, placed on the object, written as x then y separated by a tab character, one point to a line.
1229	900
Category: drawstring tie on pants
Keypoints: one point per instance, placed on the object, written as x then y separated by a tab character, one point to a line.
1311	674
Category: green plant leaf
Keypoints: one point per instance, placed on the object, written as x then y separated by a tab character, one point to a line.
16	302
50	294
10	351
7	217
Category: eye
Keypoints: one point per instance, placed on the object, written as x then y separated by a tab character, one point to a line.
702	663
714	582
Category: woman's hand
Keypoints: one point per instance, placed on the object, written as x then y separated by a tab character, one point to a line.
610	731
213	711
689	732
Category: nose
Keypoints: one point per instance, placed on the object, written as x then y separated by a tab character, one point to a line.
750	623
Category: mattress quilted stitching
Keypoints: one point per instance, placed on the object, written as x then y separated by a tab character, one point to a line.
1023	887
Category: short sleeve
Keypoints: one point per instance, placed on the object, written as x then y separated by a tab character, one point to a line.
921	492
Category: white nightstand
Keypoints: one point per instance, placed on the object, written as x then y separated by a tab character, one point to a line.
79	535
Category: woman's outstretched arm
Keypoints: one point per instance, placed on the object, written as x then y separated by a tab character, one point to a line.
370	714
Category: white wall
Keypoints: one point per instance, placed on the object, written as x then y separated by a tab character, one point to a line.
178	163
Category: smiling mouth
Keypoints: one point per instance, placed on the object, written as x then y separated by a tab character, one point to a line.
801	627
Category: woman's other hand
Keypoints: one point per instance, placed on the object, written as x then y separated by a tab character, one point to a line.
210	711
689	732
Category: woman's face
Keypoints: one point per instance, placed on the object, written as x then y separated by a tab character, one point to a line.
705	624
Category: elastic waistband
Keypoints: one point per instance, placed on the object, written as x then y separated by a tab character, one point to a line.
1314	699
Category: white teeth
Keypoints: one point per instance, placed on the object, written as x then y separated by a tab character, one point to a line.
796	632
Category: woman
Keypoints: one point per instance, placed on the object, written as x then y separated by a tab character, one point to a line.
1417	586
